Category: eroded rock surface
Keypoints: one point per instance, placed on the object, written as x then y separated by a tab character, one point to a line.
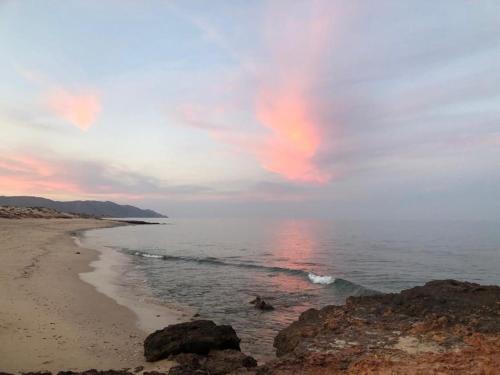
443	327
217	362
198	337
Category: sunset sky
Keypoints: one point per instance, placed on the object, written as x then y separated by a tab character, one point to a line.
345	109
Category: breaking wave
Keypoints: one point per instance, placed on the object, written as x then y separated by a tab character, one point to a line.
318	279
327	280
146	255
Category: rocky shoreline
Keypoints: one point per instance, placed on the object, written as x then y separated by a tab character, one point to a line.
443	327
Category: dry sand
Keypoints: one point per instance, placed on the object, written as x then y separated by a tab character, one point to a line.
49	318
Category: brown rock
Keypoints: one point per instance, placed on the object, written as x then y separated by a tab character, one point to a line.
443	327
217	362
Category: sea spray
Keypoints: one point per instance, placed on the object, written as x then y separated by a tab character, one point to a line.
319	279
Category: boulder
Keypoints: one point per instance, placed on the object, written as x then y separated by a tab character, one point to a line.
198	336
260	304
217	362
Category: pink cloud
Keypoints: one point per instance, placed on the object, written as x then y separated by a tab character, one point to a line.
294	138
23	164
291	137
284	105
79	109
29	174
25	174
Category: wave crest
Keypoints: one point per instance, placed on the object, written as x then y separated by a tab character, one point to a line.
328	281
147	255
319	279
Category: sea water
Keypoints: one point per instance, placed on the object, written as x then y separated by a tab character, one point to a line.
215	267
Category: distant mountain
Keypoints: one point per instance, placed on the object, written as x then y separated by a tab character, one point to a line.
92	208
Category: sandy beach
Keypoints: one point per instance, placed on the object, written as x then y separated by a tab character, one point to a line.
49	318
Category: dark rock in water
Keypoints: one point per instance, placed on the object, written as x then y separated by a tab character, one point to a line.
255	300
198	336
260	304
263	305
95	372
138	369
217	362
137	222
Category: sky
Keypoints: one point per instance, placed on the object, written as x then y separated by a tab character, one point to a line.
342	109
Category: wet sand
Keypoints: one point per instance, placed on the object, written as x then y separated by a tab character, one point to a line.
52	320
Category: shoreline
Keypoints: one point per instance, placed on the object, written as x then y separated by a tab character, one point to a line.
52	320
110	275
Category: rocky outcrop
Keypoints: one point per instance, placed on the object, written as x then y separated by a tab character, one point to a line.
199	347
198	337
260	304
443	327
217	362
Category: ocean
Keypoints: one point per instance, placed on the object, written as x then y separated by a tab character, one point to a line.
215	267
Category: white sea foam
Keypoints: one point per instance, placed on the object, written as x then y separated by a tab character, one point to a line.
319	279
146	255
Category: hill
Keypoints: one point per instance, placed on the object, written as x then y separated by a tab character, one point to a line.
91	208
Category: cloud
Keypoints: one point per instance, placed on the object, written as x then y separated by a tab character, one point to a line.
294	137
285	104
27	173
280	76
336	90
80	109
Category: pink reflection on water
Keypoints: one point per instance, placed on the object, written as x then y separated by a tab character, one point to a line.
294	244
292	248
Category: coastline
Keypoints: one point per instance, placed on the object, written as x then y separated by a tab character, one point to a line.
110	275
51	320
